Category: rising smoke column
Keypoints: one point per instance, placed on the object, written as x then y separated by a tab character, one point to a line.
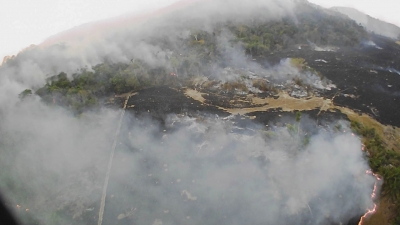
199	173
136	40
203	173
191	171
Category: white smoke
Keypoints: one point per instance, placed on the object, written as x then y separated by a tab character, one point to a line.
204	171
194	172
123	42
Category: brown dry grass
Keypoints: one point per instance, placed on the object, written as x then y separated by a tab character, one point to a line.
125	95
261	84
286	102
298	62
390	134
196	95
382	215
236	85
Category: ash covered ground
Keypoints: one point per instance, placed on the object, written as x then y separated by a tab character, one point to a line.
360	69
367	77
231	170
226	139
192	155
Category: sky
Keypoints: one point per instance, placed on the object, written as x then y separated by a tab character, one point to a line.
26	22
386	10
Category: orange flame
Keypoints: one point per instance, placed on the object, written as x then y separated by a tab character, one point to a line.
369	212
373	196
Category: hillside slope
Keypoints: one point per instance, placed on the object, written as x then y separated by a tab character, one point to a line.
217	112
371	24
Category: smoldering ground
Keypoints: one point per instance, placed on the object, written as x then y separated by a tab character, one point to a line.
203	172
51	160
195	172
188	171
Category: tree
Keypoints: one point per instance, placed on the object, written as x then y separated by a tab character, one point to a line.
298	116
25	93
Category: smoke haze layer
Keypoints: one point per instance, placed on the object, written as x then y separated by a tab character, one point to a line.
208	173
188	170
151	40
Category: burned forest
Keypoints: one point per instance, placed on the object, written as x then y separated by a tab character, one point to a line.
205	112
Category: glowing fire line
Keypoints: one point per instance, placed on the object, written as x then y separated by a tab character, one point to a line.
373	196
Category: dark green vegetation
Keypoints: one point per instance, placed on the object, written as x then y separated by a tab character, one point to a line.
385	162
312	27
25	93
89	89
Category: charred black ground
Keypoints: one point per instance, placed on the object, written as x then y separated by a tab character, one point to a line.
218	63
366	72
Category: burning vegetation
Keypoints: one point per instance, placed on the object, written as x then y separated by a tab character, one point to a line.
243	117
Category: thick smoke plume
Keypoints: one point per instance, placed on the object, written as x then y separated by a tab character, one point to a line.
122	43
207	173
191	171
